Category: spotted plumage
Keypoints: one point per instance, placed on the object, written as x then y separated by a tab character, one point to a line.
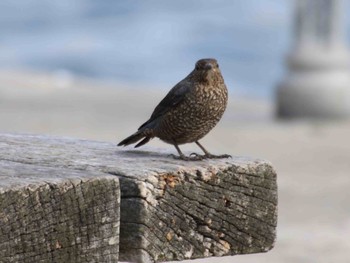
188	112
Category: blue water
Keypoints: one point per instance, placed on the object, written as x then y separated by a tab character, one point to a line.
150	42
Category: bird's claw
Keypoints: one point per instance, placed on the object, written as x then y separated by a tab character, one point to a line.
174	156
213	156
191	157
198	157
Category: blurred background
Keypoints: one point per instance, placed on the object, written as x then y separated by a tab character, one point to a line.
153	43
96	70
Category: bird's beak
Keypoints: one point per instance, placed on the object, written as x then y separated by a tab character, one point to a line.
208	66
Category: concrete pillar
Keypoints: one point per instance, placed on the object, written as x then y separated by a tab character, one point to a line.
318	81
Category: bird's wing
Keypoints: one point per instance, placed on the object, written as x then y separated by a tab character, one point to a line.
171	100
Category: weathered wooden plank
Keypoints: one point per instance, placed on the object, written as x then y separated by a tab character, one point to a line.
170	209
57	215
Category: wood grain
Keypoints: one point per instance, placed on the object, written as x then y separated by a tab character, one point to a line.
170	209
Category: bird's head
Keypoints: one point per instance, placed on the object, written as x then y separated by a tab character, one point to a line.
207	68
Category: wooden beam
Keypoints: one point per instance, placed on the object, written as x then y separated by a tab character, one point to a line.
170	209
57	215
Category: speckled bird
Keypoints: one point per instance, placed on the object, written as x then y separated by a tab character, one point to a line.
188	112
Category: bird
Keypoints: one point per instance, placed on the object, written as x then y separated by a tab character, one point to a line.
188	112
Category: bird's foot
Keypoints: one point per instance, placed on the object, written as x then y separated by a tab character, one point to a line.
191	157
213	156
197	157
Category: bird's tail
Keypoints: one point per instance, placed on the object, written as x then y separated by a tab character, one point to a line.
135	138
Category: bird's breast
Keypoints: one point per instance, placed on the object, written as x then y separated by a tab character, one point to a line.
200	111
209	101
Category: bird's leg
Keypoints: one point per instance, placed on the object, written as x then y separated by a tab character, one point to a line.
181	155
211	156
186	158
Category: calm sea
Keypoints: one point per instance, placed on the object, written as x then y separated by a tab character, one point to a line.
150	42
